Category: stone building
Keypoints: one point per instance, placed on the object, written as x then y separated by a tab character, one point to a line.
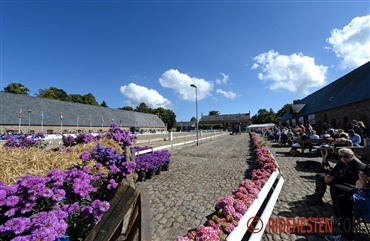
21	113
343	100
227	121
185	126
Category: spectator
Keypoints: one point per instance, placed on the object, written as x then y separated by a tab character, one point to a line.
314	135
365	132
354	137
343	140
345	171
342	197
356	128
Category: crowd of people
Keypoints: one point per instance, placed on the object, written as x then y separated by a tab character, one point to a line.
354	134
348	178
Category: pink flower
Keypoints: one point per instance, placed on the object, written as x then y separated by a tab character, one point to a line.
229	200
240	207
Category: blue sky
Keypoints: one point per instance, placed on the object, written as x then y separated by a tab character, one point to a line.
242	55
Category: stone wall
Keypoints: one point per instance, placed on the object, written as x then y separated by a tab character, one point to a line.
357	111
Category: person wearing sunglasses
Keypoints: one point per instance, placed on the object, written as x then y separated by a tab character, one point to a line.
344	172
343	203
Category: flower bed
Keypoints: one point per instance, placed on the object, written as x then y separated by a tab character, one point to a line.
230	209
64	192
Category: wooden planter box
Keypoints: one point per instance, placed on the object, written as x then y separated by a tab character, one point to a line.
123	219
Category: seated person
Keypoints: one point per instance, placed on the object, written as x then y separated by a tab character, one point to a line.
345	172
343	140
354	137
314	135
342	197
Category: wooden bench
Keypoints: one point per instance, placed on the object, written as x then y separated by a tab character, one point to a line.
313	142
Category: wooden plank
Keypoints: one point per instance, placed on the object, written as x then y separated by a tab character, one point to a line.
123	187
134	215
117	216
144	215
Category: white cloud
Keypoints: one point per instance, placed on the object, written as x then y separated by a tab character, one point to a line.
296	73
352	42
138	94
223	80
227	94
180	83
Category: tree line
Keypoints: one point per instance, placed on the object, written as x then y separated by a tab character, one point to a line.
166	115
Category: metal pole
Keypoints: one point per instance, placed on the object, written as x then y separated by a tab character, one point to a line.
29	120
196	105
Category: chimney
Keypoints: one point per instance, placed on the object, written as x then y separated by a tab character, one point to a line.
295	102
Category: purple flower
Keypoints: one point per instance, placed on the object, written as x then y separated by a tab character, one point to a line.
86	211
59	194
112	184
85	156
104	206
11	201
74	207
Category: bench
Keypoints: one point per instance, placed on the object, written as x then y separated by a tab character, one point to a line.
313	142
255	220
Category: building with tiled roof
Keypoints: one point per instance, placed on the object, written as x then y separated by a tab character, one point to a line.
227	121
54	116
343	100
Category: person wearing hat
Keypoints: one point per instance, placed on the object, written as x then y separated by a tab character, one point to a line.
345	172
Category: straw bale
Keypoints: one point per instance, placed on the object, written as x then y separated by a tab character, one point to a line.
15	162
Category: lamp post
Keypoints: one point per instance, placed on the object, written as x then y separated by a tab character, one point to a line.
29	120
196	107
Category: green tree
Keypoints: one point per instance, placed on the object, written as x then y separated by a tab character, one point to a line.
282	111
193	119
76	98
16	88
90	99
54	93
103	104
129	108
214	112
264	116
143	108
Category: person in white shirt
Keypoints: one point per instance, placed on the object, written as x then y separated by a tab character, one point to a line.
314	135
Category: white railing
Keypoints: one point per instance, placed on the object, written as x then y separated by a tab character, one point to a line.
274	184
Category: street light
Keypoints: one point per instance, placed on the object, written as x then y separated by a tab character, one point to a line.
196	107
29	120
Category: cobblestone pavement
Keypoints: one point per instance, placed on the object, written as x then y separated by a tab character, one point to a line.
199	176
298	183
183	197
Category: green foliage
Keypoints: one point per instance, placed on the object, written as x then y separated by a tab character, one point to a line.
90	99
282	111
129	108
193	119
214	112
264	116
216	126
16	88
54	93
143	108
103	104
